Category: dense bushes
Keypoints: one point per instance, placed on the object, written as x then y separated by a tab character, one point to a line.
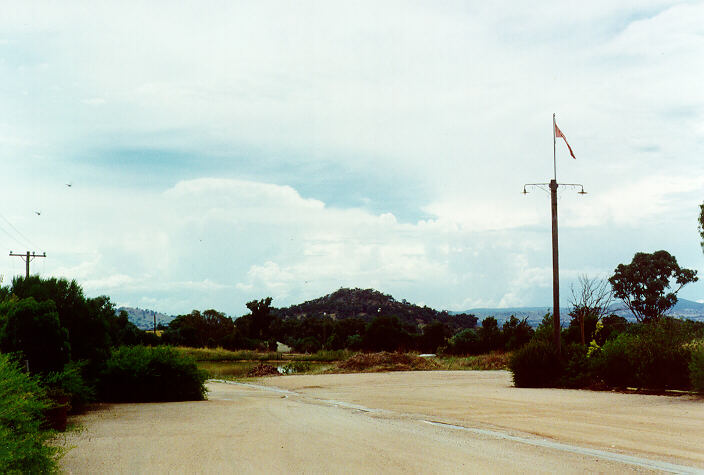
70	382
536	365
513	334
23	439
696	366
656	356
141	374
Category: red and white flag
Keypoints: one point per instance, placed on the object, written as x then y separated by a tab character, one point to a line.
558	133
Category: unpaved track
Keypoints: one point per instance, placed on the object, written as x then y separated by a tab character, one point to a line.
371	423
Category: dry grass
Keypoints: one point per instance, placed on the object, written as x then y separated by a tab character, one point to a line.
384	361
221	354
489	361
226	364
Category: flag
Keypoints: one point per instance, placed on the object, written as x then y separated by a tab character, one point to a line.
558	133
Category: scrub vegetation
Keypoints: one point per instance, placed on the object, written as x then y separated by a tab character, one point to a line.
654	353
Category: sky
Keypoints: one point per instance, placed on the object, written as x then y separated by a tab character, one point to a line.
224	151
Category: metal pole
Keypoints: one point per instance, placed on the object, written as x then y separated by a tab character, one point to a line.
555	268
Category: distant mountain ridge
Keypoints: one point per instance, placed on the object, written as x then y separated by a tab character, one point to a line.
144	318
683	309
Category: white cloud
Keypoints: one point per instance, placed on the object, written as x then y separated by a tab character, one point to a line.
280	119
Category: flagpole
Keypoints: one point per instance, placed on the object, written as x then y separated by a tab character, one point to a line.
554	162
553	211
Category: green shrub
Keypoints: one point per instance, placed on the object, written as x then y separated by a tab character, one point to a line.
465	342
696	367
536	365
655	355
609	328
577	370
70	381
661	356
141	374
612	363
23	440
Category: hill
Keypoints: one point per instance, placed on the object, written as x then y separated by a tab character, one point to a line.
683	309
144	319
368	303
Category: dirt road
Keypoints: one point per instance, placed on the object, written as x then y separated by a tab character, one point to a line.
414	422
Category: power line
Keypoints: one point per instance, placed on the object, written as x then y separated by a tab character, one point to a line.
19	233
13	238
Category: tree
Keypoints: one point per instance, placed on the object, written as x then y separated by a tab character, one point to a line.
385	333
465	342
33	329
261	318
643	284
207	329
86	322
590	302
516	333
490	336
434	335
343	330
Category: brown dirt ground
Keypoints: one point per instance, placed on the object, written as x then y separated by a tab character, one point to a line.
245	429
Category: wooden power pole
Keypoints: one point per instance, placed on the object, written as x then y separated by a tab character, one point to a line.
27	258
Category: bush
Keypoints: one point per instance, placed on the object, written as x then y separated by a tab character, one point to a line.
23	446
661	356
696	367
147	374
612	363
609	328
536	365
70	381
653	356
577	371
466	342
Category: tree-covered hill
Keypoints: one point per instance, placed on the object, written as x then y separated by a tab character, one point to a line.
143	318
367	304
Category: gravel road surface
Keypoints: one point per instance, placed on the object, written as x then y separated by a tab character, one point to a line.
409	422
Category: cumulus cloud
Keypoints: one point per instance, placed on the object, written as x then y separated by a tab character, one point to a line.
225	153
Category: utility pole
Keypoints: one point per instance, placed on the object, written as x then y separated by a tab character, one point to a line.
555	269
27	258
553	185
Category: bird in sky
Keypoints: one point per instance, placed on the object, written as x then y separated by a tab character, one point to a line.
69	184
38	213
